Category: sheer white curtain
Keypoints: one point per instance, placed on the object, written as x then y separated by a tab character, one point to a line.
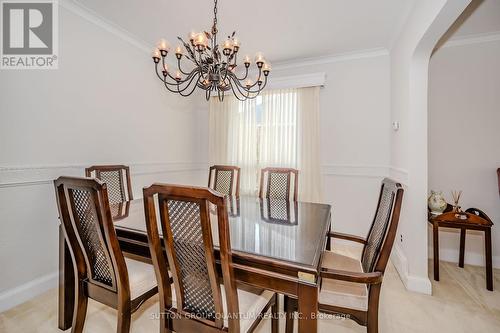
233	138
280	128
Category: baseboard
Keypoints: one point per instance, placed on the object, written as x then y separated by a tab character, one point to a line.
471	258
413	283
20	294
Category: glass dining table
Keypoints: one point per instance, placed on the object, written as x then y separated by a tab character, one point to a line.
276	245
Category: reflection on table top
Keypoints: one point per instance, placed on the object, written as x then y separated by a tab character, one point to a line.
273	228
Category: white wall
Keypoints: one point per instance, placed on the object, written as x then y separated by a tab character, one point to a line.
103	105
427	22
464	138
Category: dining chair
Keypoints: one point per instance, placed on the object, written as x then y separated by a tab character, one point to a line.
225	179
202	300
278	183
117	178
102	273
498	176
351	286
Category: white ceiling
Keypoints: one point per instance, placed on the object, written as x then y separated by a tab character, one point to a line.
482	16
281	29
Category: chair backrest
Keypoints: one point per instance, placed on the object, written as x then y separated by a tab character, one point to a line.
225	179
190	255
117	177
88	228
279	183
383	229
498	176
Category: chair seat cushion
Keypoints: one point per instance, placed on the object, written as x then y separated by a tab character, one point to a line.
250	305
342	293
141	277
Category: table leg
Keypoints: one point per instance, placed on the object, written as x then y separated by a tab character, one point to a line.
489	268
307	308
462	247
435	232
66	284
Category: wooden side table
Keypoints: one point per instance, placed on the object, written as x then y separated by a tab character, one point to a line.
476	220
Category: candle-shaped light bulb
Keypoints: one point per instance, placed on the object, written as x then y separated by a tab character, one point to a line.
259	57
236	44
178	75
165	70
246	61
178	52
163	45
249	83
155	54
266	68
227	47
200	41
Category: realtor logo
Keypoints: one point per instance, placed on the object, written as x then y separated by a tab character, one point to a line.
29	34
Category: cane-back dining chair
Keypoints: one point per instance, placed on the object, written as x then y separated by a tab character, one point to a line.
279	183
205	297
117	179
225	179
498	176
101	271
351	286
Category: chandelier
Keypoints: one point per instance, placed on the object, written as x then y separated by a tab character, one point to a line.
214	66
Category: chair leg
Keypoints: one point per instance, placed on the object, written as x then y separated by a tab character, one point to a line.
372	324
289	314
275	317
80	311
124	317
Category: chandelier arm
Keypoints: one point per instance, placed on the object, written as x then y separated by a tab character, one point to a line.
193	76
236	94
180	92
180	68
259	89
244	77
163	78
240	90
167	84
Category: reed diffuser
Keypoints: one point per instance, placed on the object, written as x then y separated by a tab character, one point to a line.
456	198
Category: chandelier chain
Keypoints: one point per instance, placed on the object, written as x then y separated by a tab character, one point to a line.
214	28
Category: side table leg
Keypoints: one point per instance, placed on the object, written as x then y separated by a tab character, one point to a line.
489	266
462	247
435	232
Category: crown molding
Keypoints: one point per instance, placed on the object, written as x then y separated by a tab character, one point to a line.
332	58
473	39
76	7
297	81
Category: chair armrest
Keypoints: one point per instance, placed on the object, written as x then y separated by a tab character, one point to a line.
366	278
348	237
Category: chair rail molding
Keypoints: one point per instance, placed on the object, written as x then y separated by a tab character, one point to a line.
355	170
39	175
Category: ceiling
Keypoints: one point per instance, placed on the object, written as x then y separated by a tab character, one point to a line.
281	29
